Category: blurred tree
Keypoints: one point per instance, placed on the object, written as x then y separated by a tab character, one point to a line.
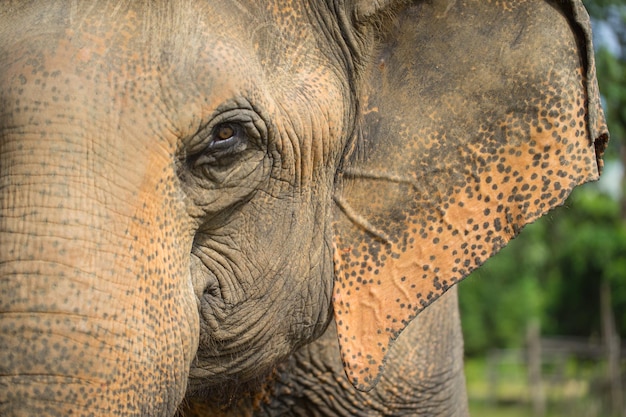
587	241
601	9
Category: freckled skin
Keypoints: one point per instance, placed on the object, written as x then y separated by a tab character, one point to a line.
516	141
219	208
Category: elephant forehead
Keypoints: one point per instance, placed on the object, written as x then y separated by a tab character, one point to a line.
182	61
63	124
283	33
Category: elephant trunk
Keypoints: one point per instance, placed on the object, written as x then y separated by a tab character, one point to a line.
95	317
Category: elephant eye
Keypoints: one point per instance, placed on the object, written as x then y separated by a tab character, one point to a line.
228	135
233	140
224	144
224	131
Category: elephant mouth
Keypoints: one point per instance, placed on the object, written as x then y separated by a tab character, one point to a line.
251	317
232	373
236	394
238	336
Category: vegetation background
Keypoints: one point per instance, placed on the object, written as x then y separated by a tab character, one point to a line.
563	278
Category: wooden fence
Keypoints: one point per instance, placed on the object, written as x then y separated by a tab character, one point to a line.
546	360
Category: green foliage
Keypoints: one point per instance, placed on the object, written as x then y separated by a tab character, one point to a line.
600	8
588	242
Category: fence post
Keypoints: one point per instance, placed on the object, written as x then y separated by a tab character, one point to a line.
533	354
492	377
612	349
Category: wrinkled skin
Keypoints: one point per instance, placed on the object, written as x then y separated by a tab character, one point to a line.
199	199
423	377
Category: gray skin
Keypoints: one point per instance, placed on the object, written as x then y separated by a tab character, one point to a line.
423	377
237	207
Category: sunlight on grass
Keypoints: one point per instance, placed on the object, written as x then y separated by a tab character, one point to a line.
502	390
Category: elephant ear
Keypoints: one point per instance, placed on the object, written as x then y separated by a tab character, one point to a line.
477	118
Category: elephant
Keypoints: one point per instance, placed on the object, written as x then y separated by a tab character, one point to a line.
241	207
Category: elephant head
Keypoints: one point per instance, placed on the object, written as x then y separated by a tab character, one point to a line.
190	189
